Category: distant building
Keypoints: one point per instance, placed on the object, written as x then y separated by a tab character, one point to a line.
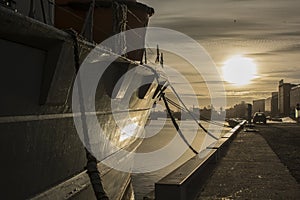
258	105
294	97
284	98
238	111
241	110
274	104
268	106
230	113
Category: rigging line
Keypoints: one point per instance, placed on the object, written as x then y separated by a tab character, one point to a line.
175	103
180	108
200	125
136	17
153	63
109	51
89	21
95	25
176	106
176	125
205	119
140	37
77	17
172	102
139	20
132	29
147	45
102	49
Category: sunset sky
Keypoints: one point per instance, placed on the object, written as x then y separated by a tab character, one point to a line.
268	32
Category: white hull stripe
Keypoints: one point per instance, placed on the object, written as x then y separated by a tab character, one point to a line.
27	118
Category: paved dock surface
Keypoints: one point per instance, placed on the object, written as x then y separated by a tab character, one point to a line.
252	170
284	139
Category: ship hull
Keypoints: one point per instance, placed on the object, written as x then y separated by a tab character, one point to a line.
42	155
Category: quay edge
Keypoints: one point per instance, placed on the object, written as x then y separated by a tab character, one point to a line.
184	182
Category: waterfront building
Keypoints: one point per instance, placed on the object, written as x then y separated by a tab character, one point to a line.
268	107
238	111
274	104
294	98
284	98
259	105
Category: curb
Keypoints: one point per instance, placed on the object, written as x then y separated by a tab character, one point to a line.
185	182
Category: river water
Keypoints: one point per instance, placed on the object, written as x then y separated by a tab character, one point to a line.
160	134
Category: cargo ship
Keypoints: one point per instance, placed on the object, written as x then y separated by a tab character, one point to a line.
42	45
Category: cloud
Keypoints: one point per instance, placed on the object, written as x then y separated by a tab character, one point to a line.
295	33
260	54
294	48
201	82
267	31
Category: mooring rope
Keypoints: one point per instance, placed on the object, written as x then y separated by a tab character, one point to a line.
91	166
191	114
203	118
176	125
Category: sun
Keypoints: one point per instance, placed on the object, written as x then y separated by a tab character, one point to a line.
239	70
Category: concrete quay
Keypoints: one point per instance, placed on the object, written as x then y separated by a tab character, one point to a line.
249	165
184	182
252	170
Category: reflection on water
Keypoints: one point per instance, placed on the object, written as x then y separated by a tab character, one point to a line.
143	183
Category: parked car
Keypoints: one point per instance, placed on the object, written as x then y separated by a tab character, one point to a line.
259	117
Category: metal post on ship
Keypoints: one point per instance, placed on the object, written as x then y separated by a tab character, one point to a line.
88	26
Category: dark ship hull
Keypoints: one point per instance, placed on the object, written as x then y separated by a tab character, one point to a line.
42	154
